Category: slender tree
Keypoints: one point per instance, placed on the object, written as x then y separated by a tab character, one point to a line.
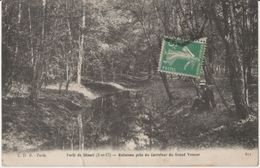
81	42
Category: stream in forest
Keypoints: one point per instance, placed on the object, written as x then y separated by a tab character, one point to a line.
115	118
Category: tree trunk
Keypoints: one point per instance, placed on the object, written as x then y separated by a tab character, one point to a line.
113	72
37	66
31	35
81	135
18	30
236	82
79	69
236	71
150	130
249	72
69	73
33	94
245	74
166	86
150	68
81	44
102	74
67	83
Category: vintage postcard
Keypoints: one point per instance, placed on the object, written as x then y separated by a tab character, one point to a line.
129	83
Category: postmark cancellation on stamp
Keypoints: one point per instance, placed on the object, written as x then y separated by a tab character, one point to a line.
182	57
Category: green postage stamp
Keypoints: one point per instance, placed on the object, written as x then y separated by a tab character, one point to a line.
182	57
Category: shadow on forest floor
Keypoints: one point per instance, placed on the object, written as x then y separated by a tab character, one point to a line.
200	129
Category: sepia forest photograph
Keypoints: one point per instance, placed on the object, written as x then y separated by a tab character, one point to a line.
84	75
